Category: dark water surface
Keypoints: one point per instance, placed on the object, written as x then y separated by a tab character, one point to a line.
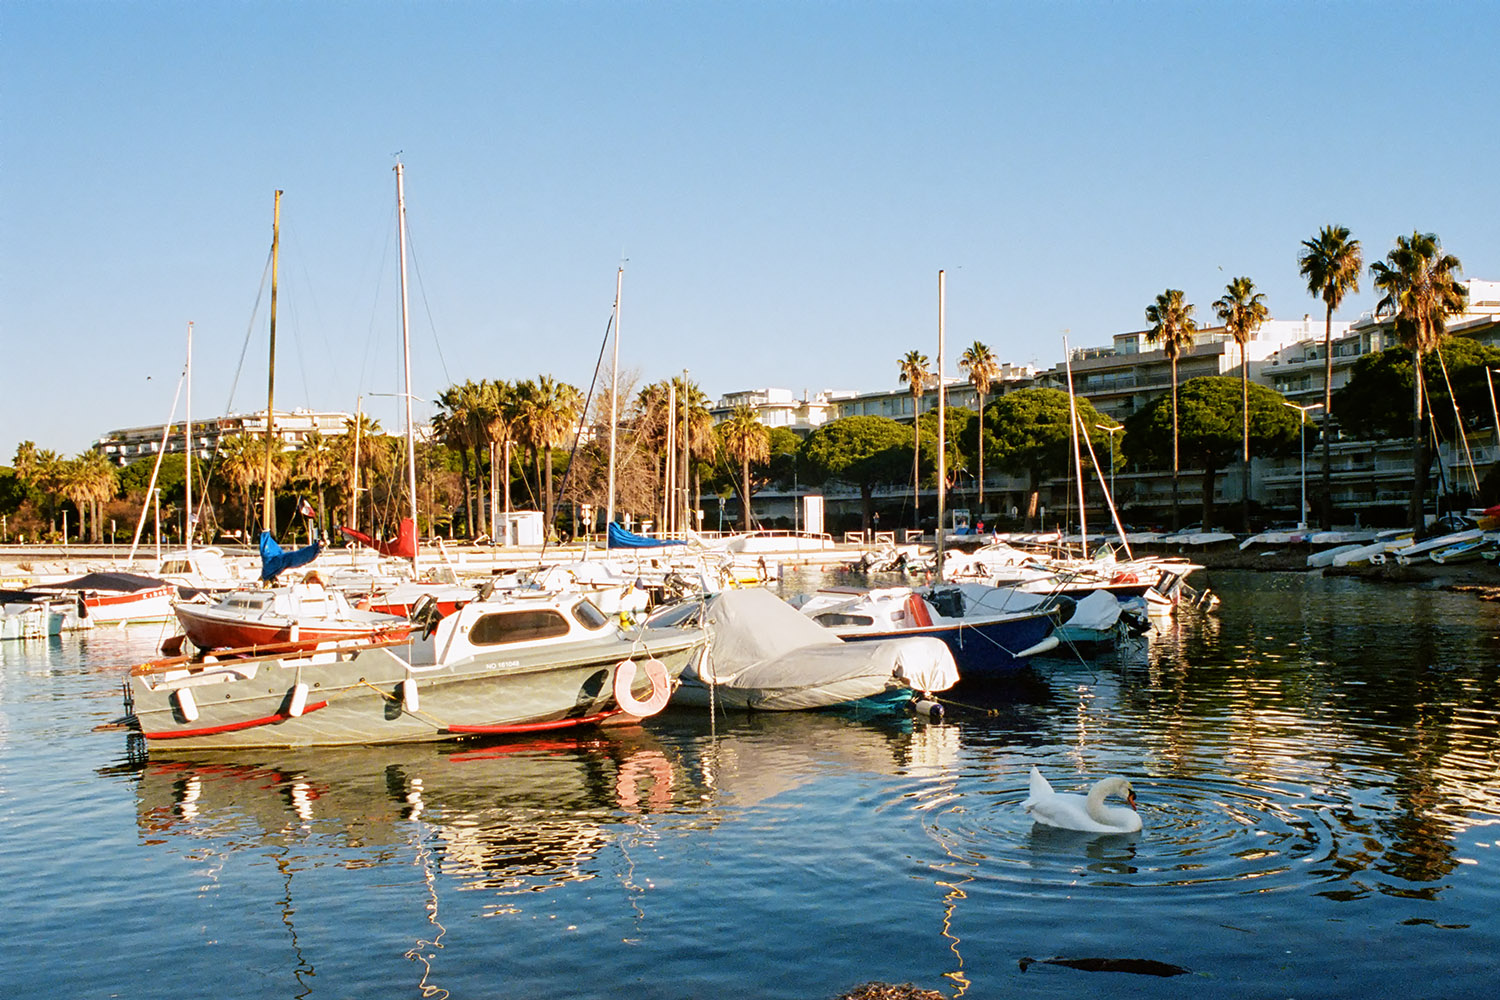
1317	766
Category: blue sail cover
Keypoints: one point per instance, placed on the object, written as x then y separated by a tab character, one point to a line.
274	560
619	538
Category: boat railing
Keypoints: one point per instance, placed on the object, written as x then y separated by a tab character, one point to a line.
259	654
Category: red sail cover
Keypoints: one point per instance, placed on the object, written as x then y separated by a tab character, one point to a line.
404	546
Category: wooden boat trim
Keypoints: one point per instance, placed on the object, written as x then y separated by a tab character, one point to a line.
257	654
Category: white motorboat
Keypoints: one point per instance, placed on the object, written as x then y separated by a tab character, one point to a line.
509	663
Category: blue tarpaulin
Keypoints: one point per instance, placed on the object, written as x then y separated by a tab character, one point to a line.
273	560
619	538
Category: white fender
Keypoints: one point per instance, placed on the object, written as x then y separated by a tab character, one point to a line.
409	694
298	702
185	704
661	687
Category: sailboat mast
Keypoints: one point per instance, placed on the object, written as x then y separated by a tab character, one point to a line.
411	446
614	408
268	507
1083	520
359	423
187	449
942	462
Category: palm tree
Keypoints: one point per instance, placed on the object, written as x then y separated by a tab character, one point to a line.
496	413
748	440
1173	327
314	459
1421	290
457	427
100	480
238	462
1330	262
546	412
915	373
983	369
1242	310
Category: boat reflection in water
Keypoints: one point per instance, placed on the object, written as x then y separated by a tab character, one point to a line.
507	816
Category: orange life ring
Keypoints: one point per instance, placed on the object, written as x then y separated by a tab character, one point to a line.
916	611
661	687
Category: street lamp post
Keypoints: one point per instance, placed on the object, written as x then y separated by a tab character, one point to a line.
1110	429
1302	436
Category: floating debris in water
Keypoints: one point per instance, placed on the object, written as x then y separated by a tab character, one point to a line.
890	991
1135	966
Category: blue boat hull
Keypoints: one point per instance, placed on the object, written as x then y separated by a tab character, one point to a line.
982	650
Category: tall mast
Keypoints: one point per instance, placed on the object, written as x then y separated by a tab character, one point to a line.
359	423
268	507
187	451
942	462
1083	521
411	446
614	408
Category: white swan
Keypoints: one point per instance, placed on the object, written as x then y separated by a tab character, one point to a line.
1074	812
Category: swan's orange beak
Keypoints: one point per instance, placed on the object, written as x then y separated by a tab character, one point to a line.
1130	799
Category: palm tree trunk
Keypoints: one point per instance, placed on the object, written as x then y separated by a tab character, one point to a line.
1419	448
981	456
916	468
1245	438
745	474
1176	523
1325	505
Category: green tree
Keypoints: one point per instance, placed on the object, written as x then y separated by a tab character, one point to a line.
547	411
860	451
1330	262
1034	438
1172	326
1209	429
1242	310
980	364
745	440
916	374
1420	287
314	461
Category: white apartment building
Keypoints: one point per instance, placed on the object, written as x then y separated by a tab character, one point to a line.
292	426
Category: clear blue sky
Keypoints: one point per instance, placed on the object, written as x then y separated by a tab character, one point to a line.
785	178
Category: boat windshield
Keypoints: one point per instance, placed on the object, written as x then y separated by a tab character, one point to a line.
589	616
518	626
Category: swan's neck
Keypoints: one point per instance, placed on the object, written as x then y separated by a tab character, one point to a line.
1095	803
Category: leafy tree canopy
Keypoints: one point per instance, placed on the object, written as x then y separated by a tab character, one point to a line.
1376	401
858	450
136	476
1032	435
1209	425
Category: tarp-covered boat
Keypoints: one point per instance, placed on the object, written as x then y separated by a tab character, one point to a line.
764	654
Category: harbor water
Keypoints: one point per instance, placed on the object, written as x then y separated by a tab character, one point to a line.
1317	765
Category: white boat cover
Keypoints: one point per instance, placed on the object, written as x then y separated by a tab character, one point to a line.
763	653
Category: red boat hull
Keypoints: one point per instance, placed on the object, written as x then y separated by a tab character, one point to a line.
207	631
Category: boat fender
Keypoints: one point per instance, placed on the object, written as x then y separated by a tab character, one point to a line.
409	694
185	704
916	611
924	706
1046	645
661	687
297	701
